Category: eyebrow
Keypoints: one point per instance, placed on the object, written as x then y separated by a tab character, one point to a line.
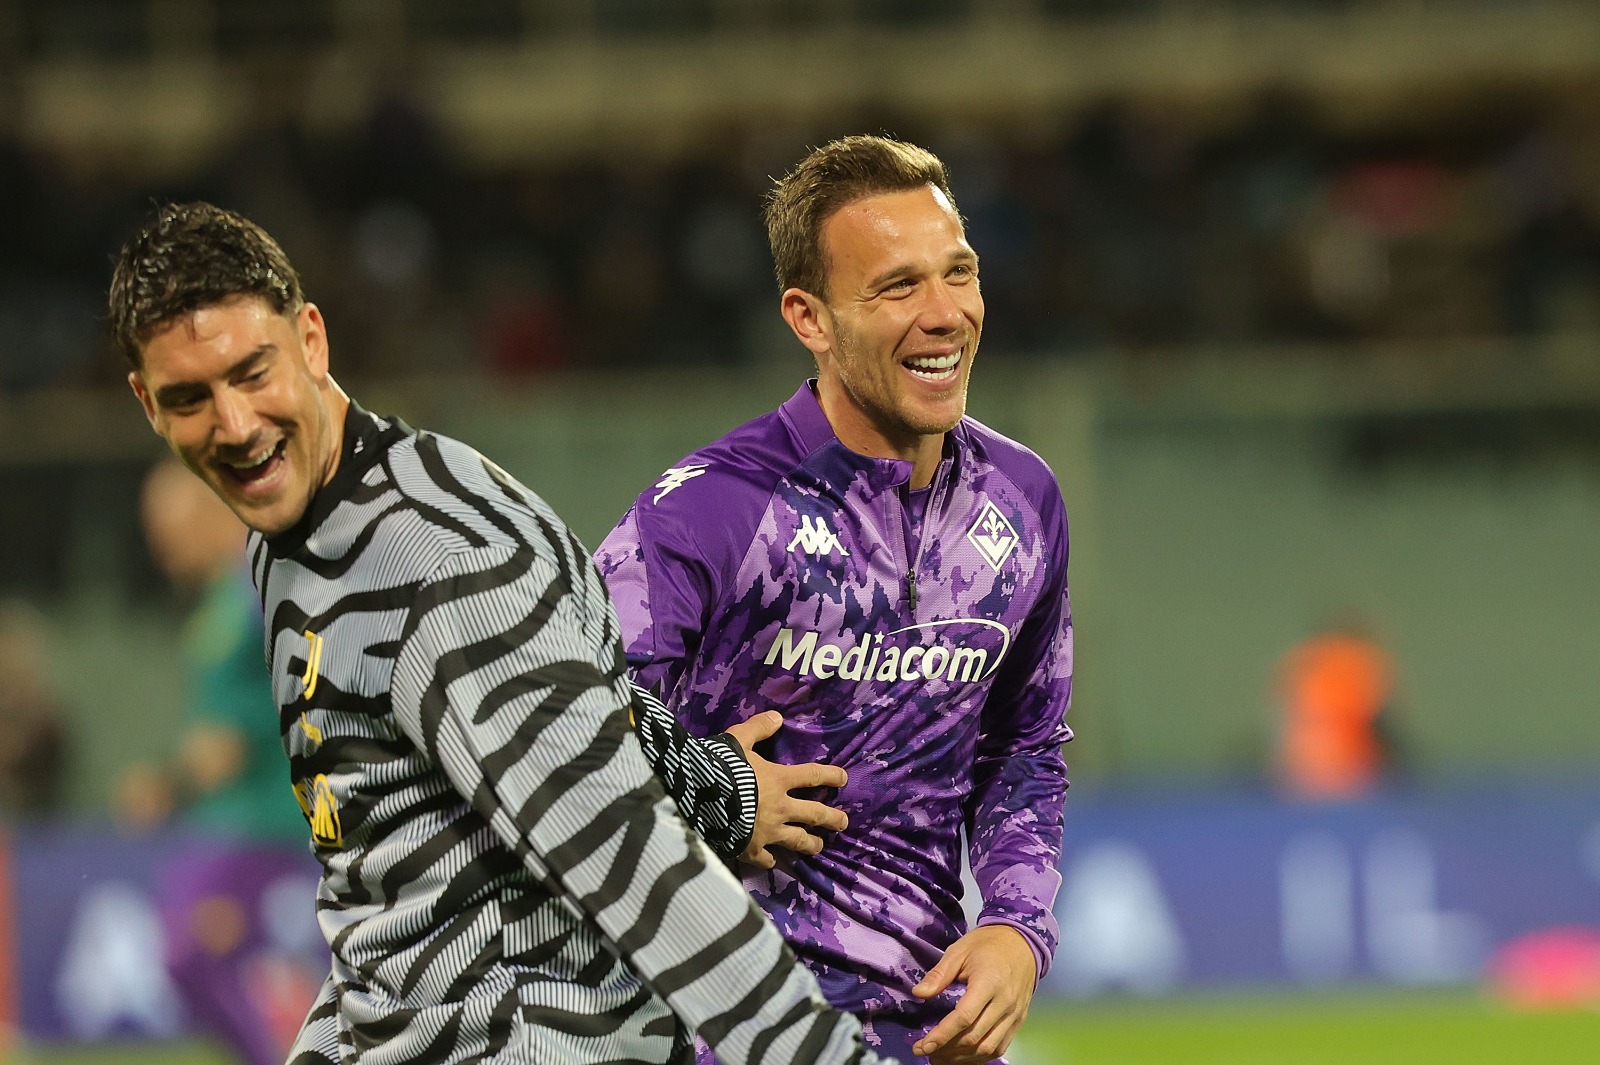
180	391
964	255
889	275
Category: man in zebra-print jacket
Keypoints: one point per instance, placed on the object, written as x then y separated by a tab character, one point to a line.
506	875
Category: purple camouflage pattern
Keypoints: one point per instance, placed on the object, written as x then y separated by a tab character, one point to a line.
773	569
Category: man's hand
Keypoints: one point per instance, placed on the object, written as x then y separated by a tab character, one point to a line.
780	817
999	969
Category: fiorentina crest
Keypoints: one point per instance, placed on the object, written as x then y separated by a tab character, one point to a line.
993	535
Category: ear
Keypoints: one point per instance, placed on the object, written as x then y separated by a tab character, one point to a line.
313	340
810	319
147	401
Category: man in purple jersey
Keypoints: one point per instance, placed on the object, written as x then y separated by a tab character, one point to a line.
891	575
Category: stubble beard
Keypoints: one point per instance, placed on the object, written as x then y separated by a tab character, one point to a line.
895	418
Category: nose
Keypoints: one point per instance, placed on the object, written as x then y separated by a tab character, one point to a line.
942	312
235	422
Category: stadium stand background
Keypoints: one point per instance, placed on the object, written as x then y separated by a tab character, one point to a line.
1301	298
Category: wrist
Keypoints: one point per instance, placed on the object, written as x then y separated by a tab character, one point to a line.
1035	945
744	794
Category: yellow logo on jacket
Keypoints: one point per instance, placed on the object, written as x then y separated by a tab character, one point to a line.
316	801
308	679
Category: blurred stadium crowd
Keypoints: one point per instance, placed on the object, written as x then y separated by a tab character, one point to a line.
1125	224
1132	226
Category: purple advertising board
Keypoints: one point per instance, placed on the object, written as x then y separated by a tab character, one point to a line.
1161	895
1157	895
92	913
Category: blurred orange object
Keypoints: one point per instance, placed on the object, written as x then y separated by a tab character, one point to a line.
1334	688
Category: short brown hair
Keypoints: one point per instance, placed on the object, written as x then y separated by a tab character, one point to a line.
832	176
190	256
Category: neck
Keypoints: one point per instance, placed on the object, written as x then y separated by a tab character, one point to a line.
856	431
926	462
337	404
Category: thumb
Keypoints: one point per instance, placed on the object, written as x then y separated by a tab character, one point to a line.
754	729
937	979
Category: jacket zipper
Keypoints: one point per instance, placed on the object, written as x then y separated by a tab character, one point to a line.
929	514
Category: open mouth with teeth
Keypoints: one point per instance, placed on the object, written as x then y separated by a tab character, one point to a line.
935	368
254	469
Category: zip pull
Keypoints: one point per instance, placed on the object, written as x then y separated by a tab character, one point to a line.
911	583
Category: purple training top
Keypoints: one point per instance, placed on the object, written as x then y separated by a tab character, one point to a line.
929	654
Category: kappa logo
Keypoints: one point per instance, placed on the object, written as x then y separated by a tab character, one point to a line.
676	477
316	801
994	536
308	679
816	539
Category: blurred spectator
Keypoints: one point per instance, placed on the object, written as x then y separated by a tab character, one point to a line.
521	331
228	770
244	975
33	731
1335	691
1134	222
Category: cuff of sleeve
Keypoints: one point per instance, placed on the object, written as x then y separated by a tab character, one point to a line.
741	816
1041	953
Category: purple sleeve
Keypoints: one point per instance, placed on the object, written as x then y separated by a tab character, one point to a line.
662	620
1020	778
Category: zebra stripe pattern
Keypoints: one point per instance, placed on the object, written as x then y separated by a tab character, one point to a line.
507	877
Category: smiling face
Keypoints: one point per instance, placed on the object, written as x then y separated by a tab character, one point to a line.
242	395
897	330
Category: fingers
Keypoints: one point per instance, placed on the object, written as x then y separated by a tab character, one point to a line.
989	1035
968	1034
752	730
805	812
959	1053
948	969
759	857
972	1049
789	837
979	1029
947	1030
937	979
781	819
942	975
998	970
813	775
797	839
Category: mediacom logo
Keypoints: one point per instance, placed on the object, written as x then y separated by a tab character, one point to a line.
877	658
